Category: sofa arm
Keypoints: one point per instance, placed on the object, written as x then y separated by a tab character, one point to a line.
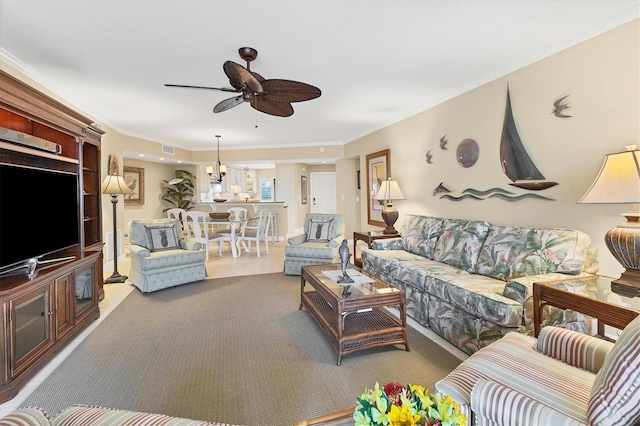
521	290
297	239
27	416
495	404
387	244
139	251
190	245
576	349
336	241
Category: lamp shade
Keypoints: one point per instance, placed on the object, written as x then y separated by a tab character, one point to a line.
115	184
209	170
223	169
389	190
618	181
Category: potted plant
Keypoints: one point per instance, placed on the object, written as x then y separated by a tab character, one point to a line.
179	191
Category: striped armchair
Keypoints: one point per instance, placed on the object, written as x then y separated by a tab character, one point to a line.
564	377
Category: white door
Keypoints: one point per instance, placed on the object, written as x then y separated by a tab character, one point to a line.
323	192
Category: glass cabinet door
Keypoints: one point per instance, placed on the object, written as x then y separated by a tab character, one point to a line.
84	289
30	322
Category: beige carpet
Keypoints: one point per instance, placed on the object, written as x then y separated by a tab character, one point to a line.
234	350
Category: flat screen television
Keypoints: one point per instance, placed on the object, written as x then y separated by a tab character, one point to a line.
38	213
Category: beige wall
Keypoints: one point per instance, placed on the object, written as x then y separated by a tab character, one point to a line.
601	77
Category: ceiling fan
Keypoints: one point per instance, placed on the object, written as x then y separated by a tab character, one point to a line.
271	96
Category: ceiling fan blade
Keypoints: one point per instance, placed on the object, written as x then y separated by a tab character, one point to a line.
287	91
279	109
223	89
228	104
258	77
240	77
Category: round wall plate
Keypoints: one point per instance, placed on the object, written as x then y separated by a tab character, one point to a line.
467	153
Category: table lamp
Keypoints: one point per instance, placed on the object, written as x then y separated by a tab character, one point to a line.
619	183
389	191
115	185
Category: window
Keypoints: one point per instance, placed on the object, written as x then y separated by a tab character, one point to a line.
266	189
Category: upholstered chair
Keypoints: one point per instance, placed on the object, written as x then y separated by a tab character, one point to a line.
563	377
160	257
318	245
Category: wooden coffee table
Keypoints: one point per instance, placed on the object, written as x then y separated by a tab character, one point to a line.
353	318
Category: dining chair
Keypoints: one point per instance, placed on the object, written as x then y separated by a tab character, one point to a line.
232	231
177	213
196	224
258	233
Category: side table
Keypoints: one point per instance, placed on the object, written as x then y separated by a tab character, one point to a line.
368	237
559	294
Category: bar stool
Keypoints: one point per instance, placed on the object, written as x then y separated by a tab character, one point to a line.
273	227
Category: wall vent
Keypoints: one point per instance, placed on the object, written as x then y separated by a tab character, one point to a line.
166	149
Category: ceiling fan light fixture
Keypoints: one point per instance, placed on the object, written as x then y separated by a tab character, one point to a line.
263	94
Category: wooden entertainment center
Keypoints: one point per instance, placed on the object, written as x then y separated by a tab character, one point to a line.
41	315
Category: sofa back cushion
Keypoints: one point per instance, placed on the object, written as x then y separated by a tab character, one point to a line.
511	252
420	234
460	242
615	396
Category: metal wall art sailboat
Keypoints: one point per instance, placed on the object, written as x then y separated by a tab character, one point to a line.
515	160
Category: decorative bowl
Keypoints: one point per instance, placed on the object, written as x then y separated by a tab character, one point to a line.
219	215
219	200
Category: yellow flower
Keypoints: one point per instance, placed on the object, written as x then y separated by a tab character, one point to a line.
402	416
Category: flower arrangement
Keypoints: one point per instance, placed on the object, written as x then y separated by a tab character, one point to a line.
397	405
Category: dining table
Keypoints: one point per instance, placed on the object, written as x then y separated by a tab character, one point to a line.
235	223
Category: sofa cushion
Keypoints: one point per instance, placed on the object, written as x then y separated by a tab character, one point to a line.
169	259
460	242
161	237
420	234
319	231
477	295
511	252
615	397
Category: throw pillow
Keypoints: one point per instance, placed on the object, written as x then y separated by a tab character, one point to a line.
319	231
161	237
615	396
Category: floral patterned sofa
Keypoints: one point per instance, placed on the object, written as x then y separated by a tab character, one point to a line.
471	281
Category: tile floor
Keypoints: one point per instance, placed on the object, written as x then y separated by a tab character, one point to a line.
225	266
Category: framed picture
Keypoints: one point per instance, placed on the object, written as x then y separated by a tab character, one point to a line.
134	178
378	170
303	189
114	169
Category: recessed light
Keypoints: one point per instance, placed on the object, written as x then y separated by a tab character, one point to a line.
140	155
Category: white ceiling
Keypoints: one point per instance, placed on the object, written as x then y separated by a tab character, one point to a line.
376	62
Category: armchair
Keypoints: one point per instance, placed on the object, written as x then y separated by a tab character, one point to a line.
565	377
160	257
319	244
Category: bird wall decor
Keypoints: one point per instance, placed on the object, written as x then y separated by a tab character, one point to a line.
444	142
559	106
429	157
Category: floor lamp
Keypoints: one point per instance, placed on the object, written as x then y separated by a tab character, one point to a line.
115	185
